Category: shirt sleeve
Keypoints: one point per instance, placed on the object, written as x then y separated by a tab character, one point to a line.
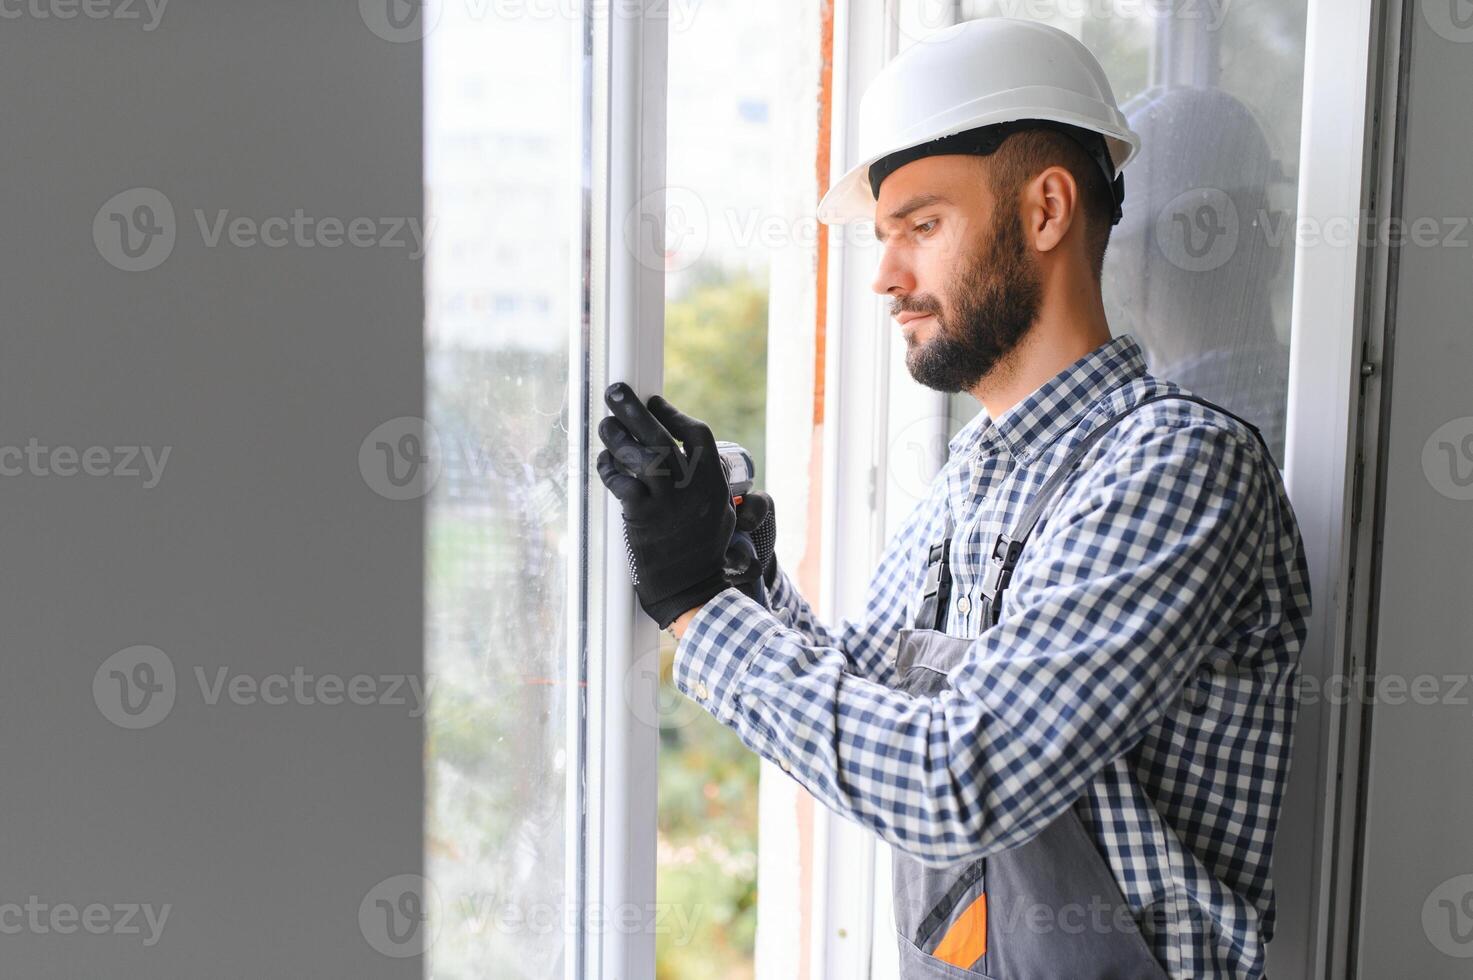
1113	605
864	641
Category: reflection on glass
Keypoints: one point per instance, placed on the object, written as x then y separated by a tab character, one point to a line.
1200	269
502	197
1188	270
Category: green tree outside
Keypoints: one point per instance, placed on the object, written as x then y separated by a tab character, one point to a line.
715	370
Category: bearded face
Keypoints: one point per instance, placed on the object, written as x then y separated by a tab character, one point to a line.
987	308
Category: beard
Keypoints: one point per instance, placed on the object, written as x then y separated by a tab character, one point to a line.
994	300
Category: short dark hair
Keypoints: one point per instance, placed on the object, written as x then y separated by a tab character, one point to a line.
1026	153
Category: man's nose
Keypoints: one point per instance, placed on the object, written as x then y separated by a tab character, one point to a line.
893	276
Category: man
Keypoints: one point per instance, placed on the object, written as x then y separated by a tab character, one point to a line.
1068	704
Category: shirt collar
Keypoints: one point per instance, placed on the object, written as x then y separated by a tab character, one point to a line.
1057	405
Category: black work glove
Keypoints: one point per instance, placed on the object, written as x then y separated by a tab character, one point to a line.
678	517
750	563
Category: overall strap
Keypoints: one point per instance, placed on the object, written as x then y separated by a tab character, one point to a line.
936	586
1008	547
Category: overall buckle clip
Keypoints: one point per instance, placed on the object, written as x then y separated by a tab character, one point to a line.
1000	566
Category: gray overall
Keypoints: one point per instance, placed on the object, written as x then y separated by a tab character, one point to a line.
1048	909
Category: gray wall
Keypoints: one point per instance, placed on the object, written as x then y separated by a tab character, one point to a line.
1417	868
262	547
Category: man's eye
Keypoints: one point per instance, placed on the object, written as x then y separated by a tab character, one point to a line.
925	228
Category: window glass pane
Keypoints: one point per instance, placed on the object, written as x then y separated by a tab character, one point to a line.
1200	270
737	79
502	303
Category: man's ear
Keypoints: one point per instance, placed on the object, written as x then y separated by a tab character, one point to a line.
1050	207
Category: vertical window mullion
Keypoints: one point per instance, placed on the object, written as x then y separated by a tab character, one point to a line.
626	339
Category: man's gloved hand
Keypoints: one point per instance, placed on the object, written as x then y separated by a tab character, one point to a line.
750	563
678	517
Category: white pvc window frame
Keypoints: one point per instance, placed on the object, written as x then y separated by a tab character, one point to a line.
612	789
1334	347
1329	345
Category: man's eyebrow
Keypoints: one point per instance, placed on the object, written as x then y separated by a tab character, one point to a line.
914	204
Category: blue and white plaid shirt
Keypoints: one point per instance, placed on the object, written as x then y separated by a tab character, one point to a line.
1143	670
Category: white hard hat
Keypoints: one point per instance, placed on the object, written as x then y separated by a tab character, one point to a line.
975	74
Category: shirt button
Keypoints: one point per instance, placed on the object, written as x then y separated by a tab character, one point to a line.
784	764
964	604
701	691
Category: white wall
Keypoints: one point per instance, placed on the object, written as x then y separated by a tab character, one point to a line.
262	548
1416	889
